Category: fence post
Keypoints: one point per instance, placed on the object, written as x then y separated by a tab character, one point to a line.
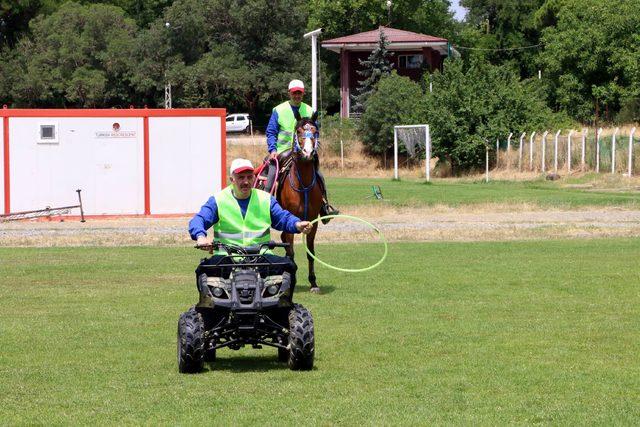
555	152
613	151
509	149
569	152
395	153
584	145
531	150
633	129
544	149
341	155
486	162
598	135
427	150
497	151
520	152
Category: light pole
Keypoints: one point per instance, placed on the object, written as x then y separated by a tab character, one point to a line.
167	84
389	3
314	65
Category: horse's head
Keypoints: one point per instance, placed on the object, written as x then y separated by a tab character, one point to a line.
305	140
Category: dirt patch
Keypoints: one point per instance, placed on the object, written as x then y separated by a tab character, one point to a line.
438	223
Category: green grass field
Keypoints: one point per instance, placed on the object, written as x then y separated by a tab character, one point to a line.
357	191
473	333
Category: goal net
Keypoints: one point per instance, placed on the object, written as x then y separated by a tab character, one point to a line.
417	141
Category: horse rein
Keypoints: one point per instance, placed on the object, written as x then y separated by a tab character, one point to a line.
275	180
305	190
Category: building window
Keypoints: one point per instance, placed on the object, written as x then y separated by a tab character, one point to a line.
48	133
410	61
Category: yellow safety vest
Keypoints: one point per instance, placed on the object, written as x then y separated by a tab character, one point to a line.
287	123
232	228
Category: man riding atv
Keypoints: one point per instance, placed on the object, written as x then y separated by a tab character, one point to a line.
243	216
245	290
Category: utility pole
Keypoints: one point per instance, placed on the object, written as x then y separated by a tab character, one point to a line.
314	65
167	95
167	84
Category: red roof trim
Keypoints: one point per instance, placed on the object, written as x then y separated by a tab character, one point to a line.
393	35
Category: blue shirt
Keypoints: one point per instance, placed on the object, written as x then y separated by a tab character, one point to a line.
273	129
281	219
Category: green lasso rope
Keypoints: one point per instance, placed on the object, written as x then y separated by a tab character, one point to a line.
348	270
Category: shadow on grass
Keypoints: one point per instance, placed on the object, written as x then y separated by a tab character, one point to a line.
268	361
324	289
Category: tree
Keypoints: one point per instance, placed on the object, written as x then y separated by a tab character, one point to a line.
591	56
473	105
395	102
142	11
78	56
503	27
375	67
209	61
345	17
14	19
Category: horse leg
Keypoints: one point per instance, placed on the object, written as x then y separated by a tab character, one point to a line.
311	246
288	238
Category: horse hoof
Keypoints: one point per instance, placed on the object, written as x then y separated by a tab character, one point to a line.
315	290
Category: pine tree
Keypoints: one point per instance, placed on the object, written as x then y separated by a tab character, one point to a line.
374	67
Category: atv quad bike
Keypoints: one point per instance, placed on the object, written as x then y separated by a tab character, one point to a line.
250	307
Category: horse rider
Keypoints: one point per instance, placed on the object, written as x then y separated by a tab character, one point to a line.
243	216
280	132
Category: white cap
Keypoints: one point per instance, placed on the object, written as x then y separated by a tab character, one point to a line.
296	85
240	165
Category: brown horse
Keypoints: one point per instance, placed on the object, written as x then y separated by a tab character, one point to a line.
301	193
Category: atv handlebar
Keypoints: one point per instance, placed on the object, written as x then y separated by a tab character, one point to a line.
241	250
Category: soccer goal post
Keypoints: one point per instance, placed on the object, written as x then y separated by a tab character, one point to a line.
417	140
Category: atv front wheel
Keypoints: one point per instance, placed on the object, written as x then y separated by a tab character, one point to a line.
301	339
210	355
190	342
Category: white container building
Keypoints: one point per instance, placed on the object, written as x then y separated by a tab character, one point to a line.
126	162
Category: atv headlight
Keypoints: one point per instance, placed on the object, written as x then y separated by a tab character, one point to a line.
272	289
218	292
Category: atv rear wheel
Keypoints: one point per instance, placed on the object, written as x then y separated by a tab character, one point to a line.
301	339
190	342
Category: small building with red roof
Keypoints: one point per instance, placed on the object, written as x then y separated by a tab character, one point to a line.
413	54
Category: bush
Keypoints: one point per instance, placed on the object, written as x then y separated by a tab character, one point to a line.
395	102
471	107
630	111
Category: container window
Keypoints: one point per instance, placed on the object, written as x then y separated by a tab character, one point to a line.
48	133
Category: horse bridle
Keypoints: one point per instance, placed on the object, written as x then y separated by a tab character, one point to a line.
304	189
308	134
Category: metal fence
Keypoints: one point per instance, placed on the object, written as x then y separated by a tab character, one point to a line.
566	151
